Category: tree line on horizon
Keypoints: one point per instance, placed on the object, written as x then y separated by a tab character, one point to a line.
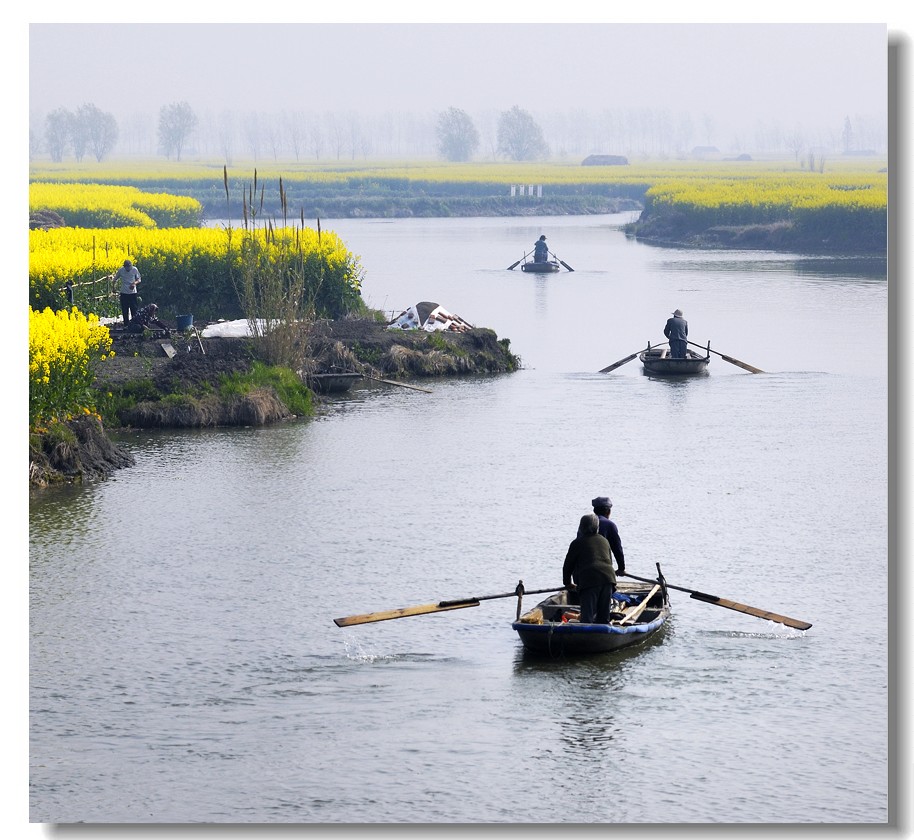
451	135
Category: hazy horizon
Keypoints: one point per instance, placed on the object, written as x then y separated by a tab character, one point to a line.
734	75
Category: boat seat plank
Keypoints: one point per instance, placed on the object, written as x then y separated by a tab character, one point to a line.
631	616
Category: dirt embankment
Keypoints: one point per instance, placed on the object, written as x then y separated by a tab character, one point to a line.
181	391
84	454
677	229
352	345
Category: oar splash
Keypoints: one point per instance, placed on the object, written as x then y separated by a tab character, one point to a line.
730	605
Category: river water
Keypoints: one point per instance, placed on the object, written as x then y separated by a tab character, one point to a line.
184	663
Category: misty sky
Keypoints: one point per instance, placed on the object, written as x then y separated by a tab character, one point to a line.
738	73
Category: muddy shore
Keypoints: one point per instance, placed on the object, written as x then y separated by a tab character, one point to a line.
180	390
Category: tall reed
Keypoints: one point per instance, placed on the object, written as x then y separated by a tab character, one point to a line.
276	280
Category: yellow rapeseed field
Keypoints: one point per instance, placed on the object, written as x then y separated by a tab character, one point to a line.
105	206
174	256
63	349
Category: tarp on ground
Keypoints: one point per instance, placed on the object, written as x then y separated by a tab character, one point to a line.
428	316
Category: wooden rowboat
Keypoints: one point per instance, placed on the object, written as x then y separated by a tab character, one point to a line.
657	360
327	383
553	626
641	608
547	267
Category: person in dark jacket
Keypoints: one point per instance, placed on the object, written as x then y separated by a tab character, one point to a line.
588	570
540	250
146	317
677	331
602	507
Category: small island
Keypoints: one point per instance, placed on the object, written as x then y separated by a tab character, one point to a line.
224	381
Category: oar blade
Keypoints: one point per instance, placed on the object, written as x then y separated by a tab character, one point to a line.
513	266
386	615
566	265
745	608
743	365
621	362
737	362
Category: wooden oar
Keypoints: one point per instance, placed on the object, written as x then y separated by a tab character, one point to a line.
398	384
441	606
515	265
621	362
733	605
730	359
561	261
630	617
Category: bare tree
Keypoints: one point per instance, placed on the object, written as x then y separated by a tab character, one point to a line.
353	132
100	129
295	126
79	133
176	124
707	123
336	133
34	143
273	134
795	141
250	130
847	135
684	133
458	138
520	137
227	134
58	133
316	139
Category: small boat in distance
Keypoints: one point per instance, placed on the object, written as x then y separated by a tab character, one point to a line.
332	383
553	626
547	267
658	360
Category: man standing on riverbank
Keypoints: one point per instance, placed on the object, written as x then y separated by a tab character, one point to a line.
677	331
128	275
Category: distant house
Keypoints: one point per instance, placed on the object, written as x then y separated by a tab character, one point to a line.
706	153
605	160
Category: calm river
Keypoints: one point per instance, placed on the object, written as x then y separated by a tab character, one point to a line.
184	663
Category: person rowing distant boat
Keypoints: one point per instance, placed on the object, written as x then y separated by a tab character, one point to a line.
677	331
540	250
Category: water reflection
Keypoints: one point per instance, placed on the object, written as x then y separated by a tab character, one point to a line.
584	694
753	264
208	574
541	289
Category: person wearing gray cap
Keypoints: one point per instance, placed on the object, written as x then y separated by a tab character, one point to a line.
128	275
540	249
677	331
588	572
602	507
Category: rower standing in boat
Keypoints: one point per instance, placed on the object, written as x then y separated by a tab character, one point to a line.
588	570
602	507
540	250
677	331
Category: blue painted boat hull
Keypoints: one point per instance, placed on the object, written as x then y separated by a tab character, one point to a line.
551	628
